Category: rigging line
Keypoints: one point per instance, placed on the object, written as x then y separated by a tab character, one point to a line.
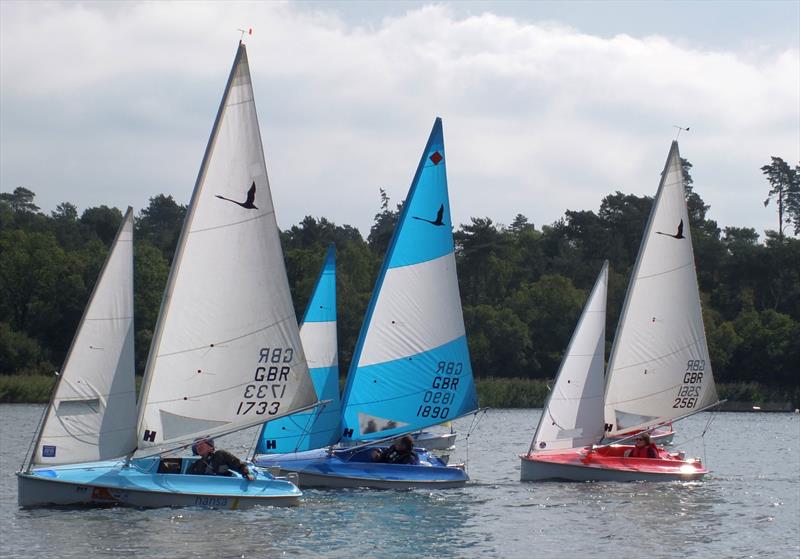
109	318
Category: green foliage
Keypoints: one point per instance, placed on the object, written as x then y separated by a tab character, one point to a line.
512	392
522	288
30	389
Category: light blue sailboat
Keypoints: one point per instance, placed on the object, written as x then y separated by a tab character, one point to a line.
319	427
411	366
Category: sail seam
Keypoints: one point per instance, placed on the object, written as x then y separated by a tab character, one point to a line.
111	318
232	224
268	326
666	271
694	343
667	389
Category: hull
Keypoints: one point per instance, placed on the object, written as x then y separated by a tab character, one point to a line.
142	485
435	441
354	468
607	464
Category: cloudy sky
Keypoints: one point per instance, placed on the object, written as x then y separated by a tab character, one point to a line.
547	106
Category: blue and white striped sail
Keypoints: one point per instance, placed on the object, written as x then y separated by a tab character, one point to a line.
411	366
319	427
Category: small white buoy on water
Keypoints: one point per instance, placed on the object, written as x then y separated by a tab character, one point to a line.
756	408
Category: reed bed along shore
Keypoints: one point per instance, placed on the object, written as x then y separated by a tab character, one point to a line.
493	392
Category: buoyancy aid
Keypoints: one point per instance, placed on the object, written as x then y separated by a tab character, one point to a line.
649	451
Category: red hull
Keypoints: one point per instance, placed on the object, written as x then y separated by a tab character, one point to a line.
608	464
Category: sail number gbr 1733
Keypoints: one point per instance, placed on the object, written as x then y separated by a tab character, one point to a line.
689	391
263	395
437	399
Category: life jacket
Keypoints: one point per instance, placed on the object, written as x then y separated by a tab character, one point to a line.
649	451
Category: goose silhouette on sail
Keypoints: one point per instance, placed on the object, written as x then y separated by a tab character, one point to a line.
679	235
247	204
439	215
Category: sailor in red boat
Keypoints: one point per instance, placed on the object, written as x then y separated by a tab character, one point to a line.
643	448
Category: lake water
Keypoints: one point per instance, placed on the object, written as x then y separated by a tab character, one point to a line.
749	506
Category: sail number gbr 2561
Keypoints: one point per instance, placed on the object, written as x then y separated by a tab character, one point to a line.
263	395
689	391
436	401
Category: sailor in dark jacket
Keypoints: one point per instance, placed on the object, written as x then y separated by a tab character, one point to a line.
216	462
401	452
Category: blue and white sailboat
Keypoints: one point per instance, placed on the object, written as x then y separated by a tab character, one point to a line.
411	367
319	427
226	352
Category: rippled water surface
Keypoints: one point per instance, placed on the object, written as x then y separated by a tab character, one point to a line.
748	507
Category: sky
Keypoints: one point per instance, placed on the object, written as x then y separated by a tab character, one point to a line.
547	106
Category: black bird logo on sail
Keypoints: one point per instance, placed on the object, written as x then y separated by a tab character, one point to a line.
438	221
247	204
678	235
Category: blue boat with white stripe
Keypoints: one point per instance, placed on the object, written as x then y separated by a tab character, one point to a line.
411	366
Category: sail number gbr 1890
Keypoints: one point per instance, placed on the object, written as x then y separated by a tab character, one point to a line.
436	401
263	395
689	391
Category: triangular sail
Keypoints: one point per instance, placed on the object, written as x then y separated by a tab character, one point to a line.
317	428
659	367
572	416
226	352
411	368
92	414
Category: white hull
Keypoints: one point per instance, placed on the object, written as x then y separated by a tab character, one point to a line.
534	470
435	441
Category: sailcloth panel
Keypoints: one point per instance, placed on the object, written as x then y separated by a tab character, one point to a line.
319	427
227	351
93	411
411	368
659	367
573	415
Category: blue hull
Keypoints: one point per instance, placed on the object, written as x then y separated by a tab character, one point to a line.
149	482
355	468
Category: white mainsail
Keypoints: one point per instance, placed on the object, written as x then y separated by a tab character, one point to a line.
226	353
659	367
92	413
572	416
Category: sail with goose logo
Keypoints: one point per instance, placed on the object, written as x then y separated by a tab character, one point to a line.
659	368
226	352
411	367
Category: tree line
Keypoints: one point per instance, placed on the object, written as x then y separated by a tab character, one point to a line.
522	287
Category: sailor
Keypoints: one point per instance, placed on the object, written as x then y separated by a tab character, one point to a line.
401	452
216	462
643	447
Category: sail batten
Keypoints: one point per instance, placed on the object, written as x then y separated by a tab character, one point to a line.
659	367
411	368
226	353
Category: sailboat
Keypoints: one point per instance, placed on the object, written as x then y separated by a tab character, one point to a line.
659	370
316	428
225	355
411	367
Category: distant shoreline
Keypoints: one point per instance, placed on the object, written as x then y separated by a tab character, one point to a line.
493	392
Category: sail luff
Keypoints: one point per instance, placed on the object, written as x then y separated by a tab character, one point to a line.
179	249
126	226
592	416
